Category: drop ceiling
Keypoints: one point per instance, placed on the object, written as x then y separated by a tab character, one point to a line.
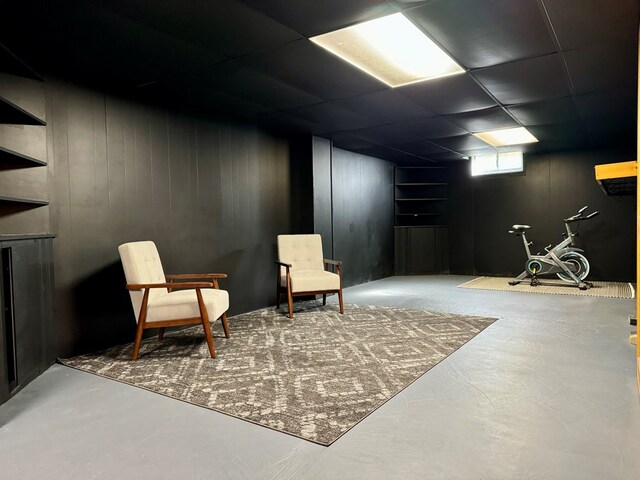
565	69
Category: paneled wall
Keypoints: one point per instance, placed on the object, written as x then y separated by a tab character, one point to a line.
553	187
322	193
362	189
212	196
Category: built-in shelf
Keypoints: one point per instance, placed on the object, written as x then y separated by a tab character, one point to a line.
12	113
14	66
24	201
11	158
421	196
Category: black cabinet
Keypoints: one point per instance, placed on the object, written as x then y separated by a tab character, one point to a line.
27	345
421	250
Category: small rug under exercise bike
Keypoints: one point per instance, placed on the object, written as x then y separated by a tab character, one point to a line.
314	377
557	287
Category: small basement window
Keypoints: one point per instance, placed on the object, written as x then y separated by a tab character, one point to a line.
493	163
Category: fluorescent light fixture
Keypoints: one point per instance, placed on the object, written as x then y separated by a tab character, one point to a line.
391	49
507	136
493	163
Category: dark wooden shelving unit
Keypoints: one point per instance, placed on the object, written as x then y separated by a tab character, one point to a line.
421	195
17	147
12	113
24	201
10	158
421	218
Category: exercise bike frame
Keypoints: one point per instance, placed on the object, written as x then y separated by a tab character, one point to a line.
551	262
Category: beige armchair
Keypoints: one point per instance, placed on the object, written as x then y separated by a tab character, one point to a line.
301	270
159	302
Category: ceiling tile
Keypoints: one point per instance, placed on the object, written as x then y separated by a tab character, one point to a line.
385	135
602	66
614	103
313	70
434	127
556	110
283	122
593	21
483	120
215	25
315	17
449	156
392	155
423	148
560	131
385	106
455	94
526	81
348	141
235	78
461	143
331	117
95	45
481	34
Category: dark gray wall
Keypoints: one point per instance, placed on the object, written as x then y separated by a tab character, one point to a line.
362	202
553	187
322	193
212	196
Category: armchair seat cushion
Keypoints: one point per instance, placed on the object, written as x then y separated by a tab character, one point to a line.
312	281
184	304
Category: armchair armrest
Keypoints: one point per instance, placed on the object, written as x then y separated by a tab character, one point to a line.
195	275
332	262
337	264
145	286
212	276
282	264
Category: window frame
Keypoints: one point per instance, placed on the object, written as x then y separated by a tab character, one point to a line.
496	173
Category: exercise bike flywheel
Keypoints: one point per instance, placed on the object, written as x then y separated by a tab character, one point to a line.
533	267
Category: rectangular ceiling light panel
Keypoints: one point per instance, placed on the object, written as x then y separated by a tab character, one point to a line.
507	136
392	49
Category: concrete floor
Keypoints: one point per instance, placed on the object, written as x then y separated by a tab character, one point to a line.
546	392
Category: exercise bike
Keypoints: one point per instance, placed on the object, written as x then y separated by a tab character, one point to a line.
565	260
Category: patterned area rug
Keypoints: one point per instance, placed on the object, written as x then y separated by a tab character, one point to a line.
599	289
314	377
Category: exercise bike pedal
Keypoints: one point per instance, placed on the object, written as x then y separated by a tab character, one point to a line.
585	285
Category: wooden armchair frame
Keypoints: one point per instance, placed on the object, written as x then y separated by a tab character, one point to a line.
287	289
171	285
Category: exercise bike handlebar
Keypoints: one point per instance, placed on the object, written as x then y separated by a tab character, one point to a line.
578	216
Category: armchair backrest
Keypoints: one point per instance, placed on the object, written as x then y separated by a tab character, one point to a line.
141	264
304	252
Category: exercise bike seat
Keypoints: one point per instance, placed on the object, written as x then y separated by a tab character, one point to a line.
520	228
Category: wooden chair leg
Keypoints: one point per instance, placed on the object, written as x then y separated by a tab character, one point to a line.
205	323
290	301
324	299
340	299
208	337
142	319
278	289
161	333
138	341
225	325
